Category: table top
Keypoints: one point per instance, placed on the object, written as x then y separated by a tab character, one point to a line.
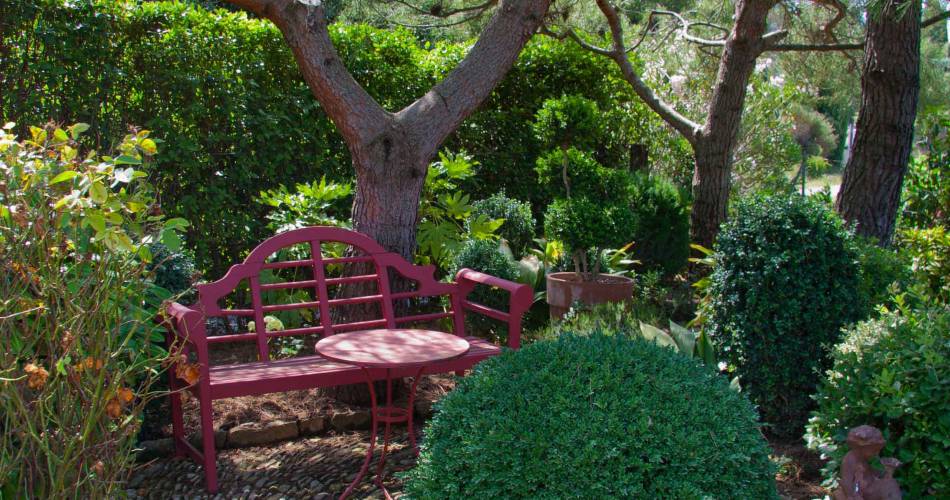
392	347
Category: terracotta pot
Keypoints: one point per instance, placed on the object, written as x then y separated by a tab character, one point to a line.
564	289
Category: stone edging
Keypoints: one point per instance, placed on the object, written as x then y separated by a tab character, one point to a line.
256	434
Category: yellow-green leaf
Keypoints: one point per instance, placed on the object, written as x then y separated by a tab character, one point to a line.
98	192
78	129
64	176
148	146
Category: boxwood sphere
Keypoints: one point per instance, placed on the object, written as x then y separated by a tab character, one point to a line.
786	281
593	417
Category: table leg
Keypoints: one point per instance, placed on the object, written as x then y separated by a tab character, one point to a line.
372	438
389	415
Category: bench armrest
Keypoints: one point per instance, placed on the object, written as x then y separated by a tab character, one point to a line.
520	298
186	325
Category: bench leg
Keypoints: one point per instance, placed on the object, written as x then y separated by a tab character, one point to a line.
207	446
178	425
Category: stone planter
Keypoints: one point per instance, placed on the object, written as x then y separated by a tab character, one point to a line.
564	289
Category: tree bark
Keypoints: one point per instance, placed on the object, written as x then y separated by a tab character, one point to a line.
890	84
715	143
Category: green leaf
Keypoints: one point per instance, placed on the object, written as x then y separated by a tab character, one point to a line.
127	160
658	336
176	223
171	240
76	130
97	221
38	134
145	253
98	192
483	227
60	135
64	176
685	338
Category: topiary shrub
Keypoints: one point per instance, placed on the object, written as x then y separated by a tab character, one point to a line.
592	417
892	373
786	282
660	230
485	256
518	228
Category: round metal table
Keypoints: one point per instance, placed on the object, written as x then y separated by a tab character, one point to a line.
390	349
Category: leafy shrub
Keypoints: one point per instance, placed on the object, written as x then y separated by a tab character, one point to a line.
76	341
173	271
892	373
320	203
660	230
785	282
447	219
568	121
926	188
586	175
929	254
881	270
485	256
518	228
602	416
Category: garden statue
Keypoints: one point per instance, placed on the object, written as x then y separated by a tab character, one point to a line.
858	480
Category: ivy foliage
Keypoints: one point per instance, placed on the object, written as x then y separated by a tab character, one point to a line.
786	281
609	416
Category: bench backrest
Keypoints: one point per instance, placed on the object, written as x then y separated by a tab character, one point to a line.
363	264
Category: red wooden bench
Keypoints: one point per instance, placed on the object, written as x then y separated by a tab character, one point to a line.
187	326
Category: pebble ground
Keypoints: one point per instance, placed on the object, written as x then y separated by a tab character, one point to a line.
319	467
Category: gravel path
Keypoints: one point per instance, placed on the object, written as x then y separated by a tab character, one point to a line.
318	468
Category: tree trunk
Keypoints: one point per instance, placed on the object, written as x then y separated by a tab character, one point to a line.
715	144
389	177
871	187
639	158
711	185
391	151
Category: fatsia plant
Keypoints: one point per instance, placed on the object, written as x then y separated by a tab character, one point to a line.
445	212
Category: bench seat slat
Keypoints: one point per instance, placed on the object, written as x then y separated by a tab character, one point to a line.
307	372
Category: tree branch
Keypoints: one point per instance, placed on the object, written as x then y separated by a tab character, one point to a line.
821	47
436	10
438	113
935	19
355	113
686	127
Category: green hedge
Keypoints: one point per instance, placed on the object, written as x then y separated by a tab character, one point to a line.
224	93
593	417
787	280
